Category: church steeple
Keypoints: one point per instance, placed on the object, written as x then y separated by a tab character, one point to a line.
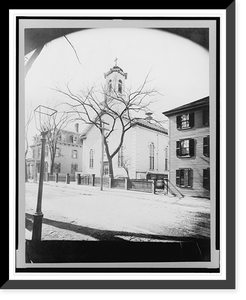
115	79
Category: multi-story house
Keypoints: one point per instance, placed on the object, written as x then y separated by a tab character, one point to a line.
67	157
189	148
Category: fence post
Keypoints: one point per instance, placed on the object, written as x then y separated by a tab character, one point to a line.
67	178
56	177
78	179
48	176
110	182
153	186
126	183
93	179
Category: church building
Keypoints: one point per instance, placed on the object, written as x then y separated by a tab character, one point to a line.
144	151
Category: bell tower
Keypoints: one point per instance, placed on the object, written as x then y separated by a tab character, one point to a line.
115	81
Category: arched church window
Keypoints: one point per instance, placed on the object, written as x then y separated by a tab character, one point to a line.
110	85
91	160
120	86
151	156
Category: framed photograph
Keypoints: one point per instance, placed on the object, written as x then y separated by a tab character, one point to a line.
122	156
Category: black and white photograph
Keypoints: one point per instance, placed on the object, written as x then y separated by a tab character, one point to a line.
119	145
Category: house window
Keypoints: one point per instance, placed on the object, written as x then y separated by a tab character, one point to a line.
120	86
206	178
185	121
166	159
74	168
91	160
63	137
184	177
206	151
120	157
57	168
71	139
151	156
74	154
75	139
58	152
185	148
205	114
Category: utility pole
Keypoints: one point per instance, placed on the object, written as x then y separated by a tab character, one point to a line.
102	136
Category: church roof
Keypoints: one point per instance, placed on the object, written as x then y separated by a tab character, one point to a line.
150	124
115	69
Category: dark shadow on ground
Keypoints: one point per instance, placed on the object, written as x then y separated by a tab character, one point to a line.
111	248
107	235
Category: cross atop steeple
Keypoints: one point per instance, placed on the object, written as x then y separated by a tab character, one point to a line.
115	61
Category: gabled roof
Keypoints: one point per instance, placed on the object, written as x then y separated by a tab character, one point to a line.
150	125
87	129
138	122
188	106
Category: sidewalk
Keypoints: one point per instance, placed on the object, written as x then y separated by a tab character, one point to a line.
81	212
186	201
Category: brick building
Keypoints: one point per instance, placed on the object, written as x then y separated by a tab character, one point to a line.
189	148
67	158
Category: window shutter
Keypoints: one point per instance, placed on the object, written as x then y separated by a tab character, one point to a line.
206	179
191	119
178	120
178	148
178	177
206	117
192	147
190	177
205	146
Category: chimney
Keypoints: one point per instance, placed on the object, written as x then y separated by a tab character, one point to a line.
149	116
77	127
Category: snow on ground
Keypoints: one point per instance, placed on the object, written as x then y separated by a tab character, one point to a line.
77	212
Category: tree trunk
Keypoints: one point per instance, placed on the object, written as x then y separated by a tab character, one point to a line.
110	167
52	161
110	160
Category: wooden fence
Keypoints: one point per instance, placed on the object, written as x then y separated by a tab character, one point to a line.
141	185
58	177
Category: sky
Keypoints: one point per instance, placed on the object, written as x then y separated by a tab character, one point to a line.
178	68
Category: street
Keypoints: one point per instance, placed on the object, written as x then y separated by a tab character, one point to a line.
78	212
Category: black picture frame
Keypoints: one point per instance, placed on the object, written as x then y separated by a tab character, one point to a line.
229	282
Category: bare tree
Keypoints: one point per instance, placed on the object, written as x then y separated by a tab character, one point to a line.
119	109
126	163
54	129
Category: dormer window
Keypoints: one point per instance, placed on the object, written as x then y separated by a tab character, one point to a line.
120	86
